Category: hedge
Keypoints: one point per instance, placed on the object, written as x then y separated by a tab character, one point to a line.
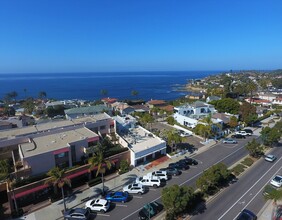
248	162
238	169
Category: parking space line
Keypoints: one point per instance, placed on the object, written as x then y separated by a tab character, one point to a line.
120	205
174	177
153	190
138	197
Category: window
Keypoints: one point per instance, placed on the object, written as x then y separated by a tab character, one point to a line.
102	127
61	155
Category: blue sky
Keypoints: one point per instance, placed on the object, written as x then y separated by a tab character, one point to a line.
139	35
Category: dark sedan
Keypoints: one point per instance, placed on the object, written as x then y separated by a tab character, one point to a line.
171	171
246	215
150	210
179	166
77	213
238	136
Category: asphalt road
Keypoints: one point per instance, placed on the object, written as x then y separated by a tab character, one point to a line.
246	193
226	153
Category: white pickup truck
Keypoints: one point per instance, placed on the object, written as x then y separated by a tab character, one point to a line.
153	181
244	133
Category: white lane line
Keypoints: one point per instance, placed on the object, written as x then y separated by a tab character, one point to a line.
120	205
138	197
152	189
234	152
175	177
193	167
103	215
248	190
257	194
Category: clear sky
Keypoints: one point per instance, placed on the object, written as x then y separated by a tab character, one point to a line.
139	35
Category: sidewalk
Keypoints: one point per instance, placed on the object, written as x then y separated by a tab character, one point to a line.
78	198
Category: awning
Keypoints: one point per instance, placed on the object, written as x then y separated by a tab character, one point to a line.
27	192
77	174
63	150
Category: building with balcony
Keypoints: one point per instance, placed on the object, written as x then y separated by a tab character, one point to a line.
143	145
189	114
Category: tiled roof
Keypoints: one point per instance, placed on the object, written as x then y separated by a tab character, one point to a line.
156	102
109	100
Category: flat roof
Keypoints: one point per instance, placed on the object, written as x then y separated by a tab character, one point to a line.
13	132
56	141
140	139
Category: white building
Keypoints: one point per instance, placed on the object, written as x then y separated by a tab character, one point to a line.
189	114
143	145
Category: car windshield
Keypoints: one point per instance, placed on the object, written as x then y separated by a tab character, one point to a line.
245	216
277	179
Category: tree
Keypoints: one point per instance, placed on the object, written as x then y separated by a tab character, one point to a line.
104	92
254	148
176	199
58	179
29	105
99	161
277	83
251	87
203	130
213	178
170	120
270	136
147	118
248	113
134	93
233	122
172	138
226	105
42	95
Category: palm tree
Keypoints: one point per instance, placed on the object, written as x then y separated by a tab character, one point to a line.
58	179
99	161
42	95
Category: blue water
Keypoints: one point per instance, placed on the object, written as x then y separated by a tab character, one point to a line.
150	85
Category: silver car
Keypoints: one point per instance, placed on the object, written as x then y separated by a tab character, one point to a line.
270	157
135	188
229	141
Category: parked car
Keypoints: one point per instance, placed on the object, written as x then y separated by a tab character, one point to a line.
190	161
270	158
171	171
134	188
238	136
276	181
117	197
246	215
153	181
248	131
185	134
241	132
98	205
229	141
77	213
150	210
162	174
179	166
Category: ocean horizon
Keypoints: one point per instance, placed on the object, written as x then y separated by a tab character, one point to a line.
87	86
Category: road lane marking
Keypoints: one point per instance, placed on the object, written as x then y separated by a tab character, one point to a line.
138	197
234	152
248	190
103	215
257	194
120	205
175	177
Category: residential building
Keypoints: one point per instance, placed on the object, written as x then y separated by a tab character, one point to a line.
189	114
212	98
277	101
143	145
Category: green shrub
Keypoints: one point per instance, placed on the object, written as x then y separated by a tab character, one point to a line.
94	181
124	167
238	169
248	162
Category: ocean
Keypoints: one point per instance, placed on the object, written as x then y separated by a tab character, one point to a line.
88	86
